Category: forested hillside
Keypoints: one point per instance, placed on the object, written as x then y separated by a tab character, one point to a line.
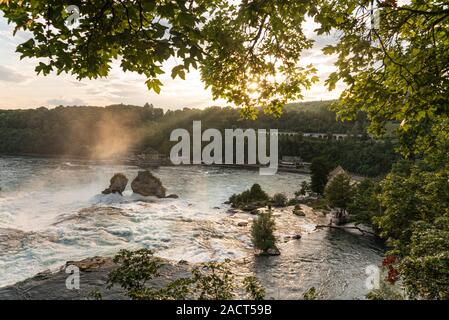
97	132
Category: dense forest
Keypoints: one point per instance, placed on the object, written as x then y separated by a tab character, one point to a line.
98	132
73	131
364	157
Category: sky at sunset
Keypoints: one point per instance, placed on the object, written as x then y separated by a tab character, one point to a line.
20	87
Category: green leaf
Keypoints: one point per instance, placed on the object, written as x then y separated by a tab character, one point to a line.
178	71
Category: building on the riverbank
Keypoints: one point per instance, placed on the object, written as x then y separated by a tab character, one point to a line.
149	158
355	179
294	162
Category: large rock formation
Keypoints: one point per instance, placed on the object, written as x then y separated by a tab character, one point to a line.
117	184
146	184
297	211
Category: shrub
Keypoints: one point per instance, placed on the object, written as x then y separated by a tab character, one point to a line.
253	288
293	202
253	195
257	193
306	189
386	282
209	281
316	204
135	270
279	200
213	281
262	231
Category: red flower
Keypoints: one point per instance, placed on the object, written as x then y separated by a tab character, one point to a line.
389	260
393	275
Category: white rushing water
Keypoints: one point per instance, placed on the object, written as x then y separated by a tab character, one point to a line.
52	211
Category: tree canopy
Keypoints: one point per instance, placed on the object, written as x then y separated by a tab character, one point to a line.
249	51
397	71
339	193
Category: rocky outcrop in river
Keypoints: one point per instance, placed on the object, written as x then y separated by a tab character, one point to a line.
146	184
117	184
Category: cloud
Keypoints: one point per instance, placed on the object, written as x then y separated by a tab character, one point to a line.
66	102
128	88
10	75
94	91
77	83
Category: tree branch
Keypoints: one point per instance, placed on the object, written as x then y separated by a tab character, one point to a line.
321	226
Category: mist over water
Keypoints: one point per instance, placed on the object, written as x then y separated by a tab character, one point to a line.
52	211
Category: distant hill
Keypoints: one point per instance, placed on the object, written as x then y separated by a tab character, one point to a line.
312	106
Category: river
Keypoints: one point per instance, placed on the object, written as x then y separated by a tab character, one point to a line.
52	211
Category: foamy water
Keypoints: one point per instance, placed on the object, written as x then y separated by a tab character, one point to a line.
59	208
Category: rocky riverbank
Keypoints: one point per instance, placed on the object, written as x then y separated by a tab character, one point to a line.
93	278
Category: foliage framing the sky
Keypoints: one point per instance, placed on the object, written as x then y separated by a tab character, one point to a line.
249	52
398	71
